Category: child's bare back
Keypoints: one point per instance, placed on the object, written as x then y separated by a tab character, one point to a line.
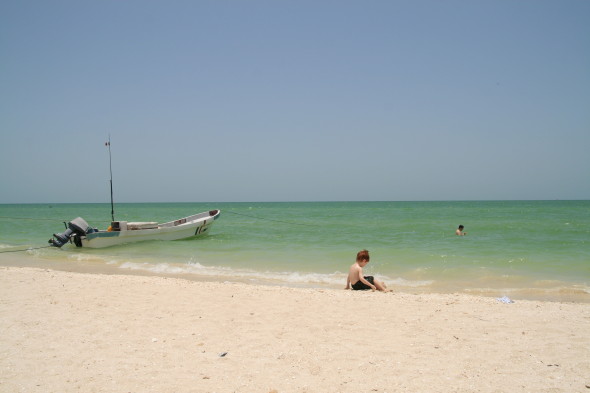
357	281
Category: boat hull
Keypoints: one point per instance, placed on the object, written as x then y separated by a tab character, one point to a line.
184	228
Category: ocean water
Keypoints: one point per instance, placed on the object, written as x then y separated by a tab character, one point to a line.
520	249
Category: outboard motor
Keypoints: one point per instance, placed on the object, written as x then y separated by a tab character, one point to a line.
76	228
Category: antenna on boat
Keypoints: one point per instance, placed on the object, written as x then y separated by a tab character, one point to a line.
111	170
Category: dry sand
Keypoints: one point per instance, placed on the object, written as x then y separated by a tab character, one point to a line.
72	332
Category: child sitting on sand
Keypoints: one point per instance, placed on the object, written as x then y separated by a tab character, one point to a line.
356	278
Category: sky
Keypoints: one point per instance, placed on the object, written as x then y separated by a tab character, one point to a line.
228	101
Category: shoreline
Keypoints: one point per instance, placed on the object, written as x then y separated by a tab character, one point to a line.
72	332
546	290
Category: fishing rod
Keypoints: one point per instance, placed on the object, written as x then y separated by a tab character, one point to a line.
111	171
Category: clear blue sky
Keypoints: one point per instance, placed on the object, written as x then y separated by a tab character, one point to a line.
225	100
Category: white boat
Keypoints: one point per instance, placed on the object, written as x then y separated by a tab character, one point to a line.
120	232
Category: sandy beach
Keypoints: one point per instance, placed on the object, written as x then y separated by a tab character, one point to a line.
76	332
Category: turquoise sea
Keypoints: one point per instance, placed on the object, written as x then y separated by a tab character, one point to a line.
520	249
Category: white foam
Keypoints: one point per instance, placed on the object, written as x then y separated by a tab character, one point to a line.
406	283
197	268
288	278
80	257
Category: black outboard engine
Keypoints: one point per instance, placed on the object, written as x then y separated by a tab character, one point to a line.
76	228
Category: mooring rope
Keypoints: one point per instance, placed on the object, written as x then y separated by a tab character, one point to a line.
26	249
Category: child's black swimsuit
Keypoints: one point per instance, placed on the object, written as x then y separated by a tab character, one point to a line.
361	286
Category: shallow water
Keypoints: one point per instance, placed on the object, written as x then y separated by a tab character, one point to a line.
523	249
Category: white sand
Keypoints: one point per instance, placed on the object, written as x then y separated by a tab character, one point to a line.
71	332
